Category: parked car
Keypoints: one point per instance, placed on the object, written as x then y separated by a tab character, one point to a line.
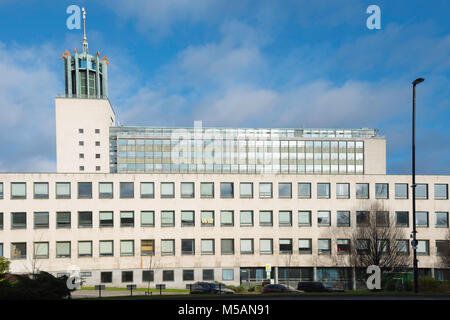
316	286
209	287
279	288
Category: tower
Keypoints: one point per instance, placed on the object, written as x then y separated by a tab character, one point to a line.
83	114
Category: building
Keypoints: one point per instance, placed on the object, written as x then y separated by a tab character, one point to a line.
177	205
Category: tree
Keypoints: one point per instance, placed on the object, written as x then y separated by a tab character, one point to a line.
4	265
444	253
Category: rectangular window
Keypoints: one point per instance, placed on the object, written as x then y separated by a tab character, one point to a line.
423	247
167	218
304	218
41	250
167	190
402	246
323	190
85	219
126	190
105	190
382	218
324	246
227	274
246	190
188	275
127	218
324	218
265	218
106	248
1	250
147	218
41	190
106	277
285	246
362	191
402	218
227	246
41	220
362	218
421	191
226	190
18	250
127	276
63	249
84	248
246	246
126	248
187	218
226	218
421	219
343	246
343	218
1	190
208	274
265	190
383	246
18	190
305	246
304	190
285	190
168	275
63	220
381	190
207	246
106	219
187	246
246	218
207	218
147	247
266	246
441	219
84	190
168	247
442	248
441	191
18	220
147	190
207	189
401	191
1	221
63	190
187	190
342	190
285	218
148	276
362	246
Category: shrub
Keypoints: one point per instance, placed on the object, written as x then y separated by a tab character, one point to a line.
431	285
237	289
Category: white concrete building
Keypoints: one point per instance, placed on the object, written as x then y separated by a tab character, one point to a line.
178	205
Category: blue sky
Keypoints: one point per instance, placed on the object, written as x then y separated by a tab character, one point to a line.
235	63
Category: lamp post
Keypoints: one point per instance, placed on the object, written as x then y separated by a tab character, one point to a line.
414	241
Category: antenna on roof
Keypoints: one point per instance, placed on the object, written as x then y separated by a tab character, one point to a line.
85	43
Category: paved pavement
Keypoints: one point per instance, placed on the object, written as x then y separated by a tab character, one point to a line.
78	294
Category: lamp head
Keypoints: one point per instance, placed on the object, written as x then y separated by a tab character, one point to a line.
417	81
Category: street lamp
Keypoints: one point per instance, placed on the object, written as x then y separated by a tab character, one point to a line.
414	241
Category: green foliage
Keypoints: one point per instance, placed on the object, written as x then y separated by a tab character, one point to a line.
431	285
256	289
237	289
396	281
42	286
4	265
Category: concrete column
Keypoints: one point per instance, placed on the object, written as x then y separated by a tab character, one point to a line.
77	77
275	270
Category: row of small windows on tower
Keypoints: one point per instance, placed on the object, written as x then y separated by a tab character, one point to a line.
82	130
81	143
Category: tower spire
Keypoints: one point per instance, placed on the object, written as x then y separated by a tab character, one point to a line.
85	43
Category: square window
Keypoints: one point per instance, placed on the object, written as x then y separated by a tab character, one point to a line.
441	219
246	246
188	275
304	218
18	220
265	190
305	246
168	275
147	190
207	246
97	143
285	218
106	219
265	218
41	220
81	155
441	191
167	218
85	219
421	219
63	190
187	190
188	246
381	190
266	246
127	276
382	218
106	277
421	191
423	247
18	190
97	156
442	248
226	190
81	168
84	248
227	274
402	246
324	218
285	246
207	218
227	246
63	249
80	131
207	190
226	218
168	247
127	218
126	248
402	218
246	190
401	191
343	246
105	190
285	190
323	190
147	218
106	248
362	246
148	276
147	247
41	190
343	218
362	218
97	130
187	218
126	190
81	143
304	190
246	218
362	191
167	190
84	190
324	246
41	250
208	274
342	190
18	250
